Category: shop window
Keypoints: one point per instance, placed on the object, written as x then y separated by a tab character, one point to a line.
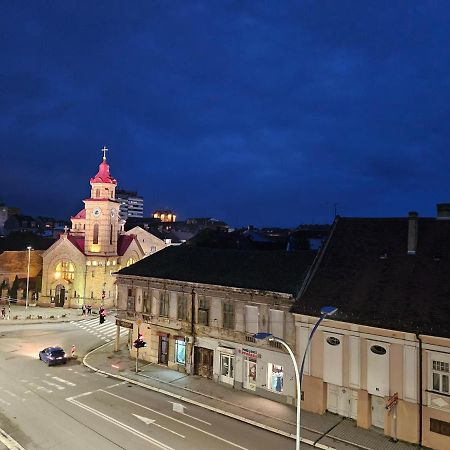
181	306
203	312
164	304
180	351
275	377
228	316
440	376
65	270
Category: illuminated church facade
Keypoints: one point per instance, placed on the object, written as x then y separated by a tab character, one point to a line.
77	268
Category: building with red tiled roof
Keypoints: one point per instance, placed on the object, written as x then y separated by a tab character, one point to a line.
77	267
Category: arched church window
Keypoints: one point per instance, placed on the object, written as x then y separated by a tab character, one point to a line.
95	241
65	270
130	261
97	193
110	234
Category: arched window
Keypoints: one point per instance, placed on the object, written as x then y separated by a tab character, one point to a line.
130	261
97	193
65	270
95	241
110	234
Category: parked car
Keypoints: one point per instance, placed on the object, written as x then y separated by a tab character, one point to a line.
53	356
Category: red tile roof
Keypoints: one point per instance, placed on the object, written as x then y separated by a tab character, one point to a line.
103	175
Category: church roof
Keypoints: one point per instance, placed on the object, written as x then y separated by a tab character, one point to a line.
77	241
80	215
124	242
103	175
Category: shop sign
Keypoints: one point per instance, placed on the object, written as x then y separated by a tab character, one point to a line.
252	354
124	324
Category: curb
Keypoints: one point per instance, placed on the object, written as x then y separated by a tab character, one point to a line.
201	405
10	443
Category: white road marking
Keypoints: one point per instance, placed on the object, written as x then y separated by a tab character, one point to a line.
122	425
117	384
148	421
69	383
40	388
78	396
179	408
57	386
9	393
176	420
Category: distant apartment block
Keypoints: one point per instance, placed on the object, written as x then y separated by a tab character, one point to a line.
131	204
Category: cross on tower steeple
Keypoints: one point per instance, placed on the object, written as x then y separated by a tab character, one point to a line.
104	150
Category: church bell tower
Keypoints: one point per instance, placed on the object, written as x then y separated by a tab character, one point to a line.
102	213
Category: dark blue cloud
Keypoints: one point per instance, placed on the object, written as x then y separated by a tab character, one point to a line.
252	112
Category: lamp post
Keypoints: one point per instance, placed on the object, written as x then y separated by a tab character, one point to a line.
324	312
28	276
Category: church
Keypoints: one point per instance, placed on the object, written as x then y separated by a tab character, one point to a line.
77	268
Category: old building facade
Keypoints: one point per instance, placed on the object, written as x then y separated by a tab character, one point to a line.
383	359
198	309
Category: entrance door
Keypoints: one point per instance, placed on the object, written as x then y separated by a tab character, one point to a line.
250	374
60	295
378	411
342	401
203	362
163	354
227	368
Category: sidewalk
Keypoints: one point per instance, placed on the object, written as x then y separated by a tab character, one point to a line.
18	314
337	432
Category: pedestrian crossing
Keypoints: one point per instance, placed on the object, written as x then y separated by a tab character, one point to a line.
105	331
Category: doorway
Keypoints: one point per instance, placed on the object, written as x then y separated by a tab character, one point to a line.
227	368
60	295
342	401
378	411
163	354
250	374
203	362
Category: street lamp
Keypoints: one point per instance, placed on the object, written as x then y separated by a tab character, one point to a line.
28	275
324	312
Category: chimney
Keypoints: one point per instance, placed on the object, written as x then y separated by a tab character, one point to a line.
412	232
443	211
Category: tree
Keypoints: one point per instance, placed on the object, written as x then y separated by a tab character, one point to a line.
15	286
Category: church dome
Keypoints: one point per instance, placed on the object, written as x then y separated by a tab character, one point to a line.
103	175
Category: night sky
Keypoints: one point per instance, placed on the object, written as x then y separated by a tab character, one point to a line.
263	112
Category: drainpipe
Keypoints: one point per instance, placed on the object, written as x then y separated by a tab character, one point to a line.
420	389
191	369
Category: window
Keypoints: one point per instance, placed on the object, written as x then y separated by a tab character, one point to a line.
95	240
164	303
130	261
147	301
65	270
439	426
378	350
228	315
440	376
130	300
275	377
97	193
153	249
203	311
181	306
110	235
180	351
334	341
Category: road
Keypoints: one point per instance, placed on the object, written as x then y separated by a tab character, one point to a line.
71	408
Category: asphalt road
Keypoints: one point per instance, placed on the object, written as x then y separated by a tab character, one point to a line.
71	408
